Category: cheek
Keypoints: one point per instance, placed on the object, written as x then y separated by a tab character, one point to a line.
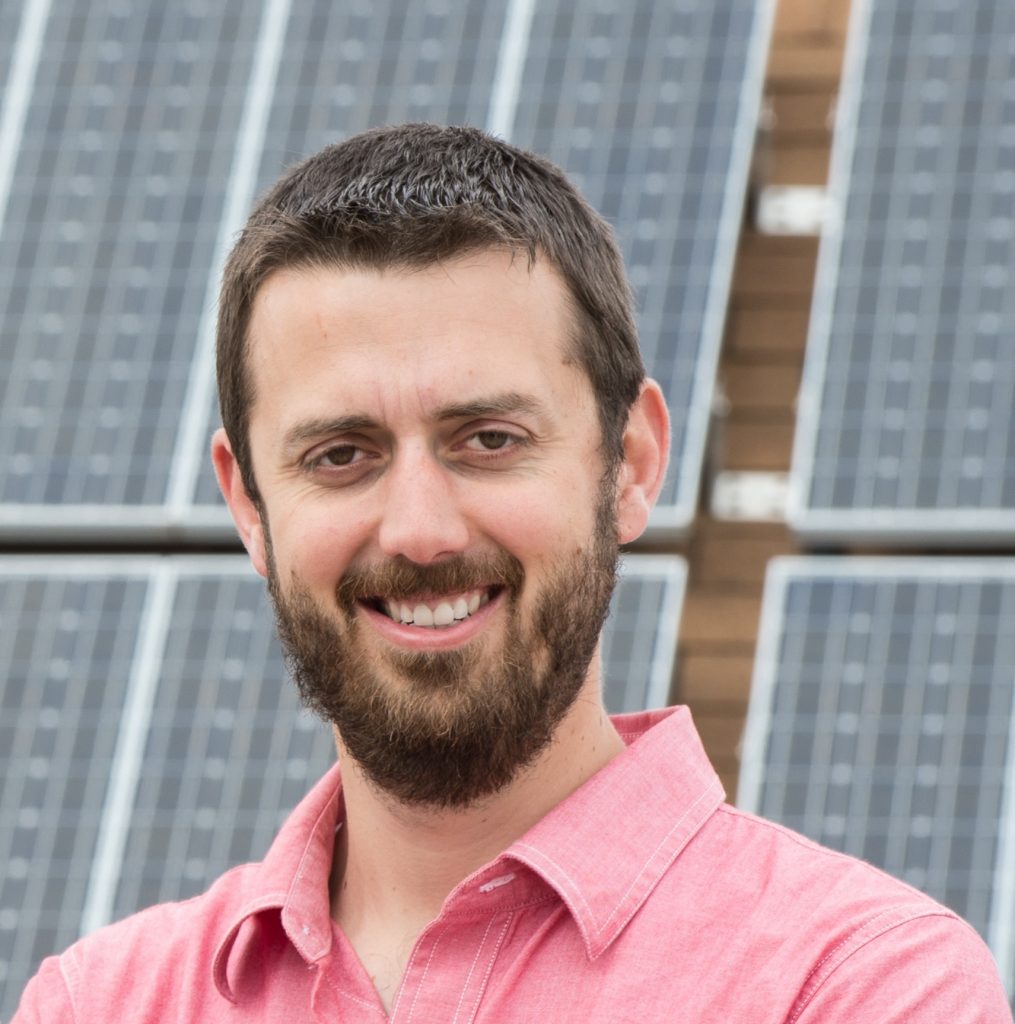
548	521
317	547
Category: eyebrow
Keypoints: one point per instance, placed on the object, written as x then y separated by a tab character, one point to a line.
492	405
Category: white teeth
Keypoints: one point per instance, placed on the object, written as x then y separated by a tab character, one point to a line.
444	613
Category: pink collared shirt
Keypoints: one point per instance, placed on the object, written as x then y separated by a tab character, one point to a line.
641	898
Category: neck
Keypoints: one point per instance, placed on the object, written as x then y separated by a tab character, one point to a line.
397	864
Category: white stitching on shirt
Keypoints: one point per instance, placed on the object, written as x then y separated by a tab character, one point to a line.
708	792
489	968
599	928
472	967
565	876
886	921
429	960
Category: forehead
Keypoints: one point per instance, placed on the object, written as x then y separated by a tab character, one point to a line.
324	334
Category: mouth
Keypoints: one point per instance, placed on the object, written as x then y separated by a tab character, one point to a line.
433	612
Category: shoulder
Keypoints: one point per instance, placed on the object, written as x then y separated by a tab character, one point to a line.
867	946
763	851
148	961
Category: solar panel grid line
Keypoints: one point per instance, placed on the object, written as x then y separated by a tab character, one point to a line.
970	608
865	753
507	78
400	40
892	267
570	22
650	629
674	573
242	745
133	733
932	283
911	716
636	158
204	728
189	456
992	101
600	91
429	96
678	515
60	685
757	725
828	698
844	139
17	92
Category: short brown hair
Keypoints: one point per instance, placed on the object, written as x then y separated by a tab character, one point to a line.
413	195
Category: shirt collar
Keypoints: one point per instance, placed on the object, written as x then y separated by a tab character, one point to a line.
290	880
605	848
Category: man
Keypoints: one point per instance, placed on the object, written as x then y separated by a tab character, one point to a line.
437	430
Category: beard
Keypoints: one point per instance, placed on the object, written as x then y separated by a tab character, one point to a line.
444	729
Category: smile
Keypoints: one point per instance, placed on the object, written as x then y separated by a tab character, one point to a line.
433	613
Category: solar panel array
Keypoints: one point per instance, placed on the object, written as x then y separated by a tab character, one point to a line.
140	132
149	738
882	723
906	425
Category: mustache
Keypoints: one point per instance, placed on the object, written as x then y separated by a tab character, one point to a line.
402	578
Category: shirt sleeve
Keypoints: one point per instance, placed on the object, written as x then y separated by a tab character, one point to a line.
46	999
931	969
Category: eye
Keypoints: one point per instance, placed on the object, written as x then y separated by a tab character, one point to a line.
339	455
493	440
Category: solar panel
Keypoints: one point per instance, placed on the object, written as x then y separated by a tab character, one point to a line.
148	129
149	738
106	251
906	430
67	641
882	722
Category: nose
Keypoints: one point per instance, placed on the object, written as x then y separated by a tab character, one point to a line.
421	519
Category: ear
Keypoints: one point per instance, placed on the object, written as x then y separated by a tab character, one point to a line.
245	512
646	455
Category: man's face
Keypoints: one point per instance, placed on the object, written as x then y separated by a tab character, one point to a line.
442	540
